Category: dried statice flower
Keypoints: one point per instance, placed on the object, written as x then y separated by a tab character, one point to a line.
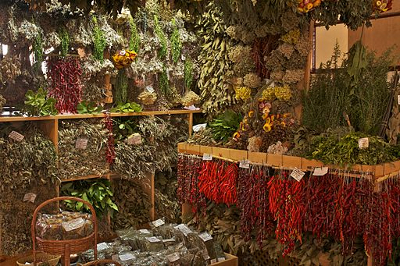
261	31
28	30
255	144
277	75
286	50
51	40
303	46
252	80
79	32
242	58
248	36
292	37
290	20
112	37
235	32
147	98
277	148
10	69
293	76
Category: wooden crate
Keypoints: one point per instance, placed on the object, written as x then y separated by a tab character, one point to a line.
230	261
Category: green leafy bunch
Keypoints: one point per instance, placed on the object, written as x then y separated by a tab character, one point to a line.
176	43
127	108
161	36
85	107
225	125
164	82
123	128
98	193
37	104
332	148
134	39
64	36
121	87
99	41
188	73
38	50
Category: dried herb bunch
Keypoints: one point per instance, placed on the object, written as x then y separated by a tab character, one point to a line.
77	158
166	204
34	158
133	204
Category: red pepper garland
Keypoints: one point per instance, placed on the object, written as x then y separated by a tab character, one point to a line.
253	203
110	152
218	181
65	84
286	203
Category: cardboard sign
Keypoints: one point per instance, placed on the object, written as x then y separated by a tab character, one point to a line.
30	197
16	136
81	143
207	157
363	143
297	174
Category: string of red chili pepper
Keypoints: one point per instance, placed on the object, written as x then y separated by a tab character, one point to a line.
253	203
218	181
286	203
110	152
65	84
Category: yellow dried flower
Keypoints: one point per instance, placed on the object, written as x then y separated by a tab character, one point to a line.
292	37
242	93
283	93
268	94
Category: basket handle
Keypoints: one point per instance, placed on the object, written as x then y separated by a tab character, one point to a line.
56	199
96	262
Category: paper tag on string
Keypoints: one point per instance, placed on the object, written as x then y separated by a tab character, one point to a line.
102	246
30	197
153	239
73	224
320	171
205	236
173	257
221	259
363	143
127	256
16	136
184	229
207	157
134	139
150	89
158	223
297	174
244	164
144	232
81	143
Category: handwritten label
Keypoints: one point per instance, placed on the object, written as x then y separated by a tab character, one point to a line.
16	136
127	256
205	236
144	232
207	157
320	171
150	89
184	229
153	239
173	257
102	246
244	164
221	259
73	224
134	139
363	143
81	143
30	197
158	223
297	174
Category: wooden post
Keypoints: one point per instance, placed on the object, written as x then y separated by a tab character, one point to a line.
107	82
190	120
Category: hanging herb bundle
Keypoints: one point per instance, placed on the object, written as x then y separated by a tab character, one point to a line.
176	43
188	73
134	39
99	41
64	37
82	148
164	82
162	53
38	51
121	87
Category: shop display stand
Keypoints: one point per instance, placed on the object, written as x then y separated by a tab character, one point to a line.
64	247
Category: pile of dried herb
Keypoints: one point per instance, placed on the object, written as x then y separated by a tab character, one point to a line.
82	148
166	204
133	204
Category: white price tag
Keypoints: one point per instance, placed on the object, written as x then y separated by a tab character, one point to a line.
213	261
81	143
363	143
158	223
398	99
134	139
221	259
173	257
297	174
73	224
150	89
205	236
184	229
207	157
244	164
320	171
102	246
153	239
199	127
30	197
144	232
16	136
127	256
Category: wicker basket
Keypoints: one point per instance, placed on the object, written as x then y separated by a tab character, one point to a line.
44	258
102	262
64	247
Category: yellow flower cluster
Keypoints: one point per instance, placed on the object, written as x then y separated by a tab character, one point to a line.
123	58
242	93
272	120
382	5
305	6
281	93
292	37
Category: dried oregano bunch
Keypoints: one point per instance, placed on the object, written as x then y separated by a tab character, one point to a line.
33	158
82	147
133	204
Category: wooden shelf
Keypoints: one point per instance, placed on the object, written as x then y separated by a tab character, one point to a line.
105	176
88	116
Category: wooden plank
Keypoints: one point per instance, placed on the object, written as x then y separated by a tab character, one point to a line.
238	155
310	164
275	160
291	162
182	147
106	176
257	157
222	152
379	170
50	129
193	149
206	149
190	124
230	261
